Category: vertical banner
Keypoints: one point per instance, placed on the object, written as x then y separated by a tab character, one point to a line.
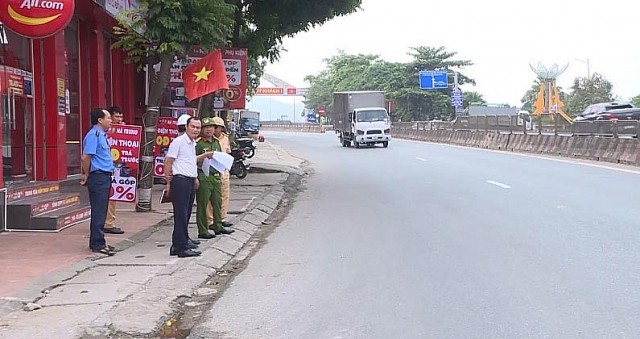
167	130
235	65
124	141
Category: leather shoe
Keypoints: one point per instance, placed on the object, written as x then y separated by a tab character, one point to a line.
227	224
197	242
206	236
188	253
212	227
224	230
173	252
191	245
113	230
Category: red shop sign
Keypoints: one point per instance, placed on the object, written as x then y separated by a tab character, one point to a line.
36	18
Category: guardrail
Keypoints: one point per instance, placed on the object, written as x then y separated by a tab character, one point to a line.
512	124
290	126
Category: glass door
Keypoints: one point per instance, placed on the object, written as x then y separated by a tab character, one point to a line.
17	136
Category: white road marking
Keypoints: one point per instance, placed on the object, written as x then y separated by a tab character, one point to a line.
421	159
499	184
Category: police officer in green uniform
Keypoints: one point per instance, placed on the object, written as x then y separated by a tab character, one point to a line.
210	186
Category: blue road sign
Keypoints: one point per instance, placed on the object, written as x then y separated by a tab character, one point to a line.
433	79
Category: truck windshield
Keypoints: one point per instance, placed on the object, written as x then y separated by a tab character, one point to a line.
250	123
370	116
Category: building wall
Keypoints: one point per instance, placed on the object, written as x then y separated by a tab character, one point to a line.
73	71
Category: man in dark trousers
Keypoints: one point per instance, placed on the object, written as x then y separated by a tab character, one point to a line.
117	118
181	172
97	168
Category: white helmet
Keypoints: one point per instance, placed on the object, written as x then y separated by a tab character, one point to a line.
182	120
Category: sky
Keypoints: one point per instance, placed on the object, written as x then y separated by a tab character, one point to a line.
500	37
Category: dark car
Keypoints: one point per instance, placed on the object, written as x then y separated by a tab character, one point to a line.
609	111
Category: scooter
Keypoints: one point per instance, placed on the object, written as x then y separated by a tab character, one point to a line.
239	169
246	143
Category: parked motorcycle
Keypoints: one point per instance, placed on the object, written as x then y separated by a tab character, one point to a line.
239	169
246	143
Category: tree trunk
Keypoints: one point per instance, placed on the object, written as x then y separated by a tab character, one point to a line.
149	126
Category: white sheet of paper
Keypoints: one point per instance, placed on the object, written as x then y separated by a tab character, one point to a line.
218	166
225	159
206	165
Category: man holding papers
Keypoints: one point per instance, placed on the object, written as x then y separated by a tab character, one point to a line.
209	173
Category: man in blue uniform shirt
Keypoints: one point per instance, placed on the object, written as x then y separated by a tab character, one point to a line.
97	168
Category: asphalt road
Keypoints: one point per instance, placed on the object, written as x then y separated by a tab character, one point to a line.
432	241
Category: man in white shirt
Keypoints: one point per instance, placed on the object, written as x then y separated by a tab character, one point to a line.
181	172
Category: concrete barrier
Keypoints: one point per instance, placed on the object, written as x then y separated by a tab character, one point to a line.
630	155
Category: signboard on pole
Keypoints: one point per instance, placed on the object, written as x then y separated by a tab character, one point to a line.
166	131
124	141
433	79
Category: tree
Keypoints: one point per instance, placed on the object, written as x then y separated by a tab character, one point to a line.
473	98
164	30
636	101
587	91
398	80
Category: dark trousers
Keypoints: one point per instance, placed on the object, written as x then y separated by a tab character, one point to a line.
98	184
182	192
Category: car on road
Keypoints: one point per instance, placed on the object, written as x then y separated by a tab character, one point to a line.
609	111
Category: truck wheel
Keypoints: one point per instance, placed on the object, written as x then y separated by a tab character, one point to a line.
385	144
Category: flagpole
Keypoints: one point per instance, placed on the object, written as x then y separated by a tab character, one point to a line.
199	107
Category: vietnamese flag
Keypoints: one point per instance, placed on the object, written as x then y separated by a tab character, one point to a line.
205	76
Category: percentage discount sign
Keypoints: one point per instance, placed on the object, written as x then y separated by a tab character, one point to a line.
232	78
125	193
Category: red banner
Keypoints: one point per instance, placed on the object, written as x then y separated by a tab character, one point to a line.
124	141
167	130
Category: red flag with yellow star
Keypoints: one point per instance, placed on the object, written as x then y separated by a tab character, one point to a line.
205	76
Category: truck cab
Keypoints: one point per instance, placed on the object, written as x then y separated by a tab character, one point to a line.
370	125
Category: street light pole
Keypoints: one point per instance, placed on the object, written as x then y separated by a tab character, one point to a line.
588	66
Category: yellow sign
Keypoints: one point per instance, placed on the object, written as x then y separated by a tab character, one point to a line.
61	87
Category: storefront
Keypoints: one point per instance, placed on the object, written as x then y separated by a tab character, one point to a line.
49	85
56	64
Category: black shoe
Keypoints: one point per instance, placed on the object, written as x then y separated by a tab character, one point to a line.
191	244
172	251
113	230
224	231
188	253
212	227
206	236
197	242
227	224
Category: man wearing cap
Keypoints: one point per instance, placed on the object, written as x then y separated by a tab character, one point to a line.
210	189
225	144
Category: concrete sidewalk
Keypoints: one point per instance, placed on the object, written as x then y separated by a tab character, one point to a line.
76	293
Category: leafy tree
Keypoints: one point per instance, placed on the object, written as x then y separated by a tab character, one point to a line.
473	98
587	91
168	29
636	101
163	31
398	80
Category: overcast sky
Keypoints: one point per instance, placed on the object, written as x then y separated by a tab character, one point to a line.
501	38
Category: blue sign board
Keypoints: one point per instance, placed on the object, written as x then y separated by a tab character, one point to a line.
433	79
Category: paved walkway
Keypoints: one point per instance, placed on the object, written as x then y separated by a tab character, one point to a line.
29	260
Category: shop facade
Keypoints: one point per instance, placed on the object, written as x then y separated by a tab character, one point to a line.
48	86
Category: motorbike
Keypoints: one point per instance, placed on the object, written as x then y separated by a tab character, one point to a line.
238	168
246	143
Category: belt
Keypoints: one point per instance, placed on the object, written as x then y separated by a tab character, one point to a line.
212	173
182	176
101	172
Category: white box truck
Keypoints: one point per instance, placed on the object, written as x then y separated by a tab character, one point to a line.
360	118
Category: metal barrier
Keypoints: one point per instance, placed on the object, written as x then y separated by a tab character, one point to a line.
514	124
